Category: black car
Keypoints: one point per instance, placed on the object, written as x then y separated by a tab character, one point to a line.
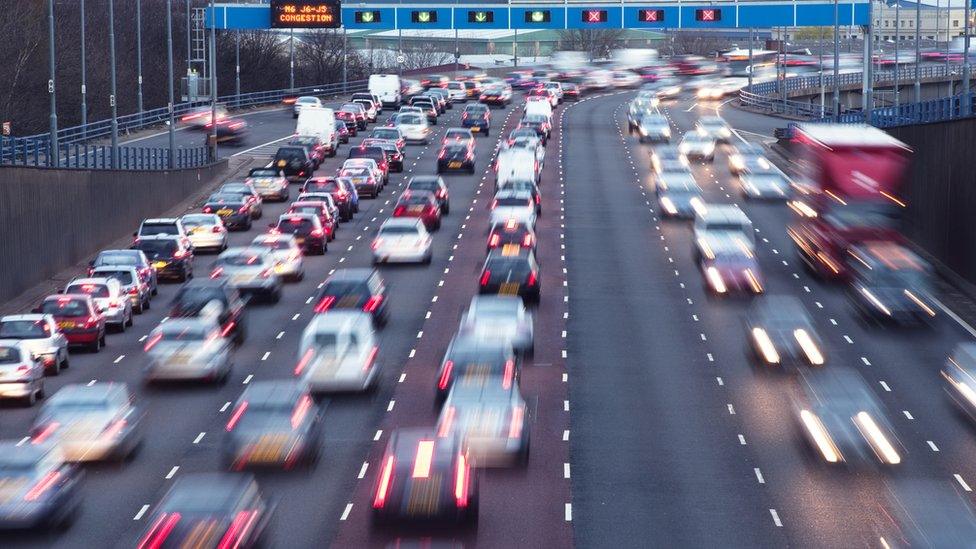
357	289
294	162
511	272
473	360
251	196
41	489
343	130
341	190
427	105
455	156
232	209
891	284
477	117
394	156
308	231
191	299
435	185
349	119
313	147
171	257
537	123
230	132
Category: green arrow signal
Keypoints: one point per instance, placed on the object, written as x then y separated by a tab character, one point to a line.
423	17
480	17
538	16
366	17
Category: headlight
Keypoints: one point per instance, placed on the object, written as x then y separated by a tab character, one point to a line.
875	301
666	132
820	436
642	130
882	447
765	345
920	303
715	280
668	205
725	132
684	148
809	347
709	148
702	93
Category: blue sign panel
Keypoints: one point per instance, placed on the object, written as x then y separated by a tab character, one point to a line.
595	17
424	17
650	17
481	18
768	16
539	17
372	17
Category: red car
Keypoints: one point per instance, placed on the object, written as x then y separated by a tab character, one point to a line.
319	209
422	205
349	119
78	319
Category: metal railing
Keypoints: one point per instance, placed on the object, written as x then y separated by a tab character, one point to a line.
30	152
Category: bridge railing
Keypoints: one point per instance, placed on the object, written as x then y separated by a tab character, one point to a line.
30	152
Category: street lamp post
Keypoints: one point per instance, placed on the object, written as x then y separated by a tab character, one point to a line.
188	45
897	47
966	103
918	51
836	102
213	86
345	74
291	61
169	80
750	59
53	120
139	56
237	68
111	97
84	90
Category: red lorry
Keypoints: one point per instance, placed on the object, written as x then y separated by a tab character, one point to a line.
848	184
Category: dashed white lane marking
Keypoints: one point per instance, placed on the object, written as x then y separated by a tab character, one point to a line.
280	335
23	441
296	316
776	520
565	405
731	410
199	438
92	382
248	379
907	414
742	440
885	386
172	472
389	407
143	338
379	433
565	435
720	381
346	511
142	511
566	470
119	359
759	475
362	470
225	406
403	376
932	445
962	482
265	355
865	360
569	512
849	340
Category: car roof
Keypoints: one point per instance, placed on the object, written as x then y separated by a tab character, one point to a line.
161	220
401	222
352	274
273	391
513	193
16	454
82	392
26	316
338	319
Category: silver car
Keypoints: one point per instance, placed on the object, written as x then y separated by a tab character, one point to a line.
108	297
654	128
40	334
500	317
697	146
305	101
133	288
188	349
206	231
289	260
414	127
402	239
270	184
250	270
21	375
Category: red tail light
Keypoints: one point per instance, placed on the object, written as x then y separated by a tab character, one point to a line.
216	229
242	209
373	303
216	273
114	429
485	276
180	254
461	482
91	322
527	241
441	193
515	427
303	363
238	529
133	291
538	199
442	154
298	416
465	115
156	338
445	375
342	195
227	329
160	530
317	232
494	204
469	156
43	486
398	211
207	209
325	304
532	279
235	418
45	433
386	480
494	240
509	374
377	243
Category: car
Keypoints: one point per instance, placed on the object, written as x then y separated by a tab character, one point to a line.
653	128
269	184
763	181
435	81
744	155
319	209
358	112
545	94
206	231
728	265
421	205
517	164
490	416
411	109
197	118
380	172
571	91
496	94
890	284
170	257
308	231
456	92
325	198
305	101
375	153
667	88
678	194
250	270
510	272
394	155
287	254
669	158
402	239
21	373
229	509
90	422
370	97
439	103
231	131
189	349
369	107
500	317
135	290
925	513
77	317
393	134
109	298
538	123
200	298
355	289
163	226
697	146
338	353
455	156
459	135
432	184
781	333
418	461
253	200
523	185
232	209
510	235
475	360
294	163
959	377
720	222
314	146
343	120
427	107
715	128
531	143
41	489
135	258
442	97
414	127
842	421
364	181
342	190
273	424
40	335
556	88
477	118
512	204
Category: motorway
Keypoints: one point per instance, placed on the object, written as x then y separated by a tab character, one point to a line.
650	425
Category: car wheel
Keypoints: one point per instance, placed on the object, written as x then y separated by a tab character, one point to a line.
129	322
355	208
275	296
428	258
155	289
122	325
183	276
446	208
56	369
325	248
65	364
140	308
30	399
147	304
101	340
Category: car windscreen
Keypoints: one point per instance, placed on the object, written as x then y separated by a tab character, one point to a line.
398	230
9	355
24	329
94	290
64	307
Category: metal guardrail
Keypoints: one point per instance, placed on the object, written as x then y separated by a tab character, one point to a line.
29	152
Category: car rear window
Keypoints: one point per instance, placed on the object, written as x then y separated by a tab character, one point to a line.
415	199
65	307
345	287
241	260
94	290
274	244
314	210
354	172
409	120
9	355
124	277
376	153
116	259
423	186
290	153
516	266
24	329
158	228
513	201
398	229
161	247
293	223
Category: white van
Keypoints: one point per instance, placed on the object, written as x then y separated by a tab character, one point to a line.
517	165
386	87
338	352
319	122
539	107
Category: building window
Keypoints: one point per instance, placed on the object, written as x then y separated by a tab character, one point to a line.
886	23
955	23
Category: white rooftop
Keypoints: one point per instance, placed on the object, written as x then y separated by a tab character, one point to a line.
849	135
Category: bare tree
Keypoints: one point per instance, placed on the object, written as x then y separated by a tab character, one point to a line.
696	43
596	42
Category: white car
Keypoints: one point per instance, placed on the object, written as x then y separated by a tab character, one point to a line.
338	352
40	335
698	146
90	422
189	349
531	143
555	88
500	317
625	79
284	248
22	374
456	92
205	231
250	270
402	239
509	205
108	297
305	101
133	288
352	164
715	128
414	127
270	184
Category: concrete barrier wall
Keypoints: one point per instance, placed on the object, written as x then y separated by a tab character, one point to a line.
52	219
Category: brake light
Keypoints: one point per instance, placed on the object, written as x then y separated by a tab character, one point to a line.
267	272
304	405
239	528
342	195
207	209
91	321
227	329
494	204
372	303
216	273
463	116
243	209
425	455
317	232
461	482
324	304
469	156
442	154
532	279
235	418
156	338
509	374
444	427
383	488
114	429
133	291
445	375
377	243
398	211
179	254
217	229
527	241
515	427
494	240
44	485
485	276
160	530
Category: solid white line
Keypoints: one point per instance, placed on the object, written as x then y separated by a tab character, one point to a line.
962	483
965	325
345	512
362	470
172	472
141	512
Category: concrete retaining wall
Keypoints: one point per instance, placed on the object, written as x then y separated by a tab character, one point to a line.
52	219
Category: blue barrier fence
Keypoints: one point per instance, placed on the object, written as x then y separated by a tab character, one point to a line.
27	151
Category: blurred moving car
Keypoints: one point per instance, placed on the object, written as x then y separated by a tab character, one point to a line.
306	228
269	183
744	155
287	254
273	423
697	146
668	158
414	127
477	118
209	510
355	289
473	360
510	236
890	284
497	94
134	258
511	273
490	416
231	131
206	231
513	205
342	189
759	179
926	513
40	335
432	184
91	422
715	128
170	257
77	318
304	101
321	210
338	353
40	489
182	349
251	197
729	266
200	298
136	291
653	128
109	298
678	194
402	239
250	270
21	373
455	156
232	208
421	205
198	117
500	317
781	333
294	163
